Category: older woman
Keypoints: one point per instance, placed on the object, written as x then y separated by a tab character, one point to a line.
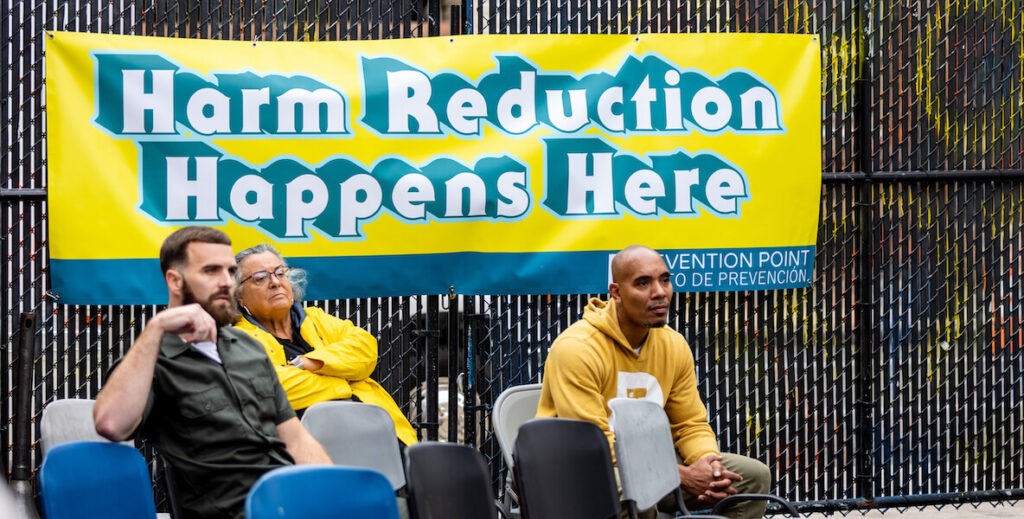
318	357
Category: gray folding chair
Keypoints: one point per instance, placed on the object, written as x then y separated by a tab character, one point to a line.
646	459
358	434
513	407
645	454
68	420
361	435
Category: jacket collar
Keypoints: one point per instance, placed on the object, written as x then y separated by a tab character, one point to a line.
298	314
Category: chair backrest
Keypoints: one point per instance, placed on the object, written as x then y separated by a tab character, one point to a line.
357	434
68	420
644	450
101	480
564	470
513	407
321	492
448	480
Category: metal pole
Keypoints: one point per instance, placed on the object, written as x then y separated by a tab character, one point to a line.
469	389
453	366
433	340
21	463
866	298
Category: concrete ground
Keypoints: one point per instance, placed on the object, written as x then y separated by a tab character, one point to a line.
965	511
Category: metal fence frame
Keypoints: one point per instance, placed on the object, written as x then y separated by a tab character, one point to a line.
894	380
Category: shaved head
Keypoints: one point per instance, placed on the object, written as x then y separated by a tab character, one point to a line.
622	261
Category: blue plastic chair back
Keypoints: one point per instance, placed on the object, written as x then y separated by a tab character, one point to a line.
101	480
321	492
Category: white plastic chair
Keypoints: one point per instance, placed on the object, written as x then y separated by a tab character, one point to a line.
68	420
513	407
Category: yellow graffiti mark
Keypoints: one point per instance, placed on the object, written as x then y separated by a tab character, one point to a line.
841	59
985	127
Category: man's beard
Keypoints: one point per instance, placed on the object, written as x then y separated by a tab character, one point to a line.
656	324
223	315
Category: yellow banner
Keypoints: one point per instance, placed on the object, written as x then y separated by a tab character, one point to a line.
473	164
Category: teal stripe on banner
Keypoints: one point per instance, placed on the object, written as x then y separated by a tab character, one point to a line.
129	282
108	282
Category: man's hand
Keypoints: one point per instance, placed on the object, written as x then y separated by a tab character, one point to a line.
708	479
190	322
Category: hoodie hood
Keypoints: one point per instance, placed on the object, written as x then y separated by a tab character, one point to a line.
602	315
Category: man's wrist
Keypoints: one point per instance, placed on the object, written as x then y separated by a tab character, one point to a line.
298	362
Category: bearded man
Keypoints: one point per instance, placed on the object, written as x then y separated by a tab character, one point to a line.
622	348
203	392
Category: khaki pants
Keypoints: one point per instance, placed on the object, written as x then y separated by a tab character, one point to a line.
757	479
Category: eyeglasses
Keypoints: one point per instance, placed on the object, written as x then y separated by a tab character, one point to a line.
260	277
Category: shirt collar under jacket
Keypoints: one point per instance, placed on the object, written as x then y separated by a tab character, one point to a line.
172	349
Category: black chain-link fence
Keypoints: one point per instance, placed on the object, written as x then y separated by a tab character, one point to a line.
894	380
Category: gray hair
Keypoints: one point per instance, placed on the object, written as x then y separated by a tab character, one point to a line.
297	277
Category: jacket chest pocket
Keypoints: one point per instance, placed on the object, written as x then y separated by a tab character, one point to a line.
264	386
202	403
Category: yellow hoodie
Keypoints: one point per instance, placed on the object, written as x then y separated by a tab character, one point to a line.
591	363
349	354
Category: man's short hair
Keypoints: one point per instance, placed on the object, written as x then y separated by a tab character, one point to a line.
174	251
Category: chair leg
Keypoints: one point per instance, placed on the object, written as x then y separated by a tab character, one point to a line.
511	500
169	485
680	502
631	508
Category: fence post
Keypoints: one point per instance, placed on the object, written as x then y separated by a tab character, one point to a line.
433	340
867	398
21	462
454	334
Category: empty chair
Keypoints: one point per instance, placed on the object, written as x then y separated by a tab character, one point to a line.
321	492
563	469
513	407
357	434
101	480
645	453
647	459
68	420
448	480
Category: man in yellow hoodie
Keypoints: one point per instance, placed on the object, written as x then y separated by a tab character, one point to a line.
623	348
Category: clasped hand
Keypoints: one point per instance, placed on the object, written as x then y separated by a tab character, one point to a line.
708	479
